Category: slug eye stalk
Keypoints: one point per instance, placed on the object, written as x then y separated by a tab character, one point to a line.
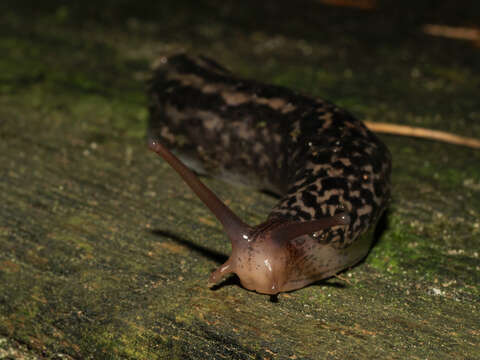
234	227
295	229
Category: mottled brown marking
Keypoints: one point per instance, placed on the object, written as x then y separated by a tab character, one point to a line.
319	157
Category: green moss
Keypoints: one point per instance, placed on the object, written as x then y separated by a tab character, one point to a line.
103	254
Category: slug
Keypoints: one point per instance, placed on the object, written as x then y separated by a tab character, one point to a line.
331	172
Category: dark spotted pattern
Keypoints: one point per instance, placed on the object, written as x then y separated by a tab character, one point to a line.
318	156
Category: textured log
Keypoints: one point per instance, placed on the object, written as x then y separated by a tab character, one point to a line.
105	254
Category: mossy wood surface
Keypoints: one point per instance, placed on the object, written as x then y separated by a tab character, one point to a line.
105	253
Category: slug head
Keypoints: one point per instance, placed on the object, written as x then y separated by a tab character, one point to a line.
256	260
261	256
264	257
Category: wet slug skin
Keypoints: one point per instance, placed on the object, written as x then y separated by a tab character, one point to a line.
332	173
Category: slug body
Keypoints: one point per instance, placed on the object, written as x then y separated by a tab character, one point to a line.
332	173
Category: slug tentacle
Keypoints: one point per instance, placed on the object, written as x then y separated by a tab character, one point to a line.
220	273
234	227
293	230
332	172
